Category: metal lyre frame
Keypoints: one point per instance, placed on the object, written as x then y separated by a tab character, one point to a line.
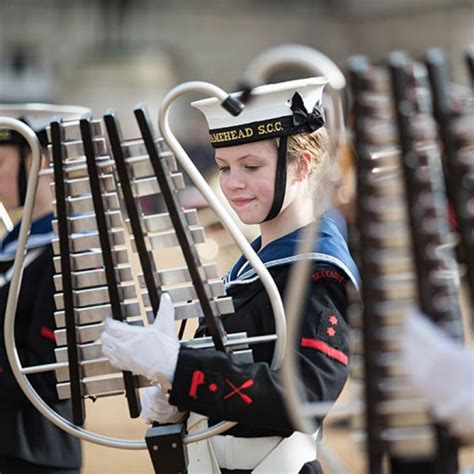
358	67
405	256
437	296
20	372
228	221
257	72
458	169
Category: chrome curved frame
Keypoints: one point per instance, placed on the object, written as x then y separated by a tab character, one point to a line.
256	73
228	222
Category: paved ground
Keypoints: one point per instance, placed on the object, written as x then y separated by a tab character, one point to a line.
109	416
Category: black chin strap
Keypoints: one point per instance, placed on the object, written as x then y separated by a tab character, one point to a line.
280	181
22	178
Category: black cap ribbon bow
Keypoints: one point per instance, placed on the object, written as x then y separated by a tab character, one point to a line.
301	116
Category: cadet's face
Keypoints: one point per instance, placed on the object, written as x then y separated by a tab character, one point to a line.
9	164
247	178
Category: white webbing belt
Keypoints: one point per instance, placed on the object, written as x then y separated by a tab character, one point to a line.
261	455
266	454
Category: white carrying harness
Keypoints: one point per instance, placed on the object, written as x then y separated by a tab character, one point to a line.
270	454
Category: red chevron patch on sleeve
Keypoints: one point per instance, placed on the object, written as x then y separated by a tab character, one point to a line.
325	349
48	333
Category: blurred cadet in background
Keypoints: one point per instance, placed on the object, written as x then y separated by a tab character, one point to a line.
29	442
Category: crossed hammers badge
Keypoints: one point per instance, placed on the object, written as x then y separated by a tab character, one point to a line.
199	379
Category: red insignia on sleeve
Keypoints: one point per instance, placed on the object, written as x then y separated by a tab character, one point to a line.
332	320
325	349
47	333
329	275
238	390
330	337
198	378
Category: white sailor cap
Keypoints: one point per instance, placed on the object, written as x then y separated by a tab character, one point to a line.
37	116
274	110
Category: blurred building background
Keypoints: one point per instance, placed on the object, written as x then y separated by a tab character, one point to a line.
103	53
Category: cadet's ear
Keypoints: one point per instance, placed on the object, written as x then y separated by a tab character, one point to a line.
304	165
44	160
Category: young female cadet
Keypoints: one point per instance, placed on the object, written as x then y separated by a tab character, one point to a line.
273	162
29	442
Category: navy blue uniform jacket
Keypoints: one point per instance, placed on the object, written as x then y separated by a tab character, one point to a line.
211	383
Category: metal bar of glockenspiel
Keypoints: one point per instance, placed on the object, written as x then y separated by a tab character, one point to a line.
182	232
357	68
130	382
77	401
445	458
146	259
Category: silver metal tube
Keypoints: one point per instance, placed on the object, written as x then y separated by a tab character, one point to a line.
229	224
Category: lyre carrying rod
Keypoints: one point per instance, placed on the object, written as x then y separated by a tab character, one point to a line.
130	381
75	376
180	225
149	270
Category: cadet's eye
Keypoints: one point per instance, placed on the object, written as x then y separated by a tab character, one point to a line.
223	169
252	167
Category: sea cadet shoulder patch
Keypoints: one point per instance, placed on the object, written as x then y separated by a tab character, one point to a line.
327	274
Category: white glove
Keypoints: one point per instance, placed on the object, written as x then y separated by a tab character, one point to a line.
155	407
443	372
151	351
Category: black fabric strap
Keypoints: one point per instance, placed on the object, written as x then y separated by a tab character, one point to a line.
280	181
235	471
22	178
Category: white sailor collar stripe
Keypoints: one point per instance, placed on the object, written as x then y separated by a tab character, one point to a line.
250	276
34	241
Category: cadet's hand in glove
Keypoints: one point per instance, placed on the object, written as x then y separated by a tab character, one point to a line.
150	351
155	407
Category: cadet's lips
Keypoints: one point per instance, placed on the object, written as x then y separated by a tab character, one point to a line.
241	202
